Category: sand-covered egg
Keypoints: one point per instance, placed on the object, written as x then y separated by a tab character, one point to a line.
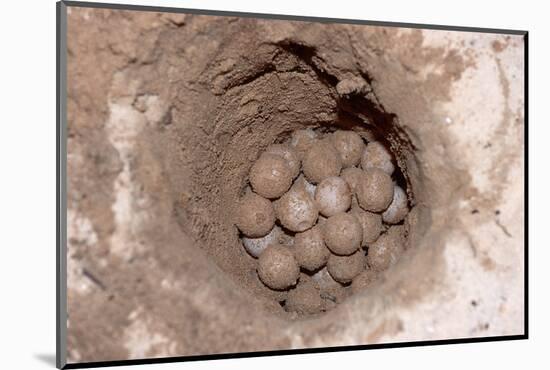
277	267
289	154
332	196
270	176
255	216
398	208
349	145
352	176
376	155
302	140
387	249
375	190
296	210
321	161
342	234
255	246
344	268
371	223
310	249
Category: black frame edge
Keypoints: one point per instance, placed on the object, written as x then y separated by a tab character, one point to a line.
526	180
61	211
222	356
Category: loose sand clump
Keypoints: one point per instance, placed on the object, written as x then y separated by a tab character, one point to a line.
363	280
310	209
333	291
305	298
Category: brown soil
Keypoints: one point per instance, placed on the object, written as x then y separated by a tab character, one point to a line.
169	112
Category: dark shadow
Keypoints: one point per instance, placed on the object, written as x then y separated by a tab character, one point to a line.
47	358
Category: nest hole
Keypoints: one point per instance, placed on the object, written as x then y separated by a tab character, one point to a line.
266	109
